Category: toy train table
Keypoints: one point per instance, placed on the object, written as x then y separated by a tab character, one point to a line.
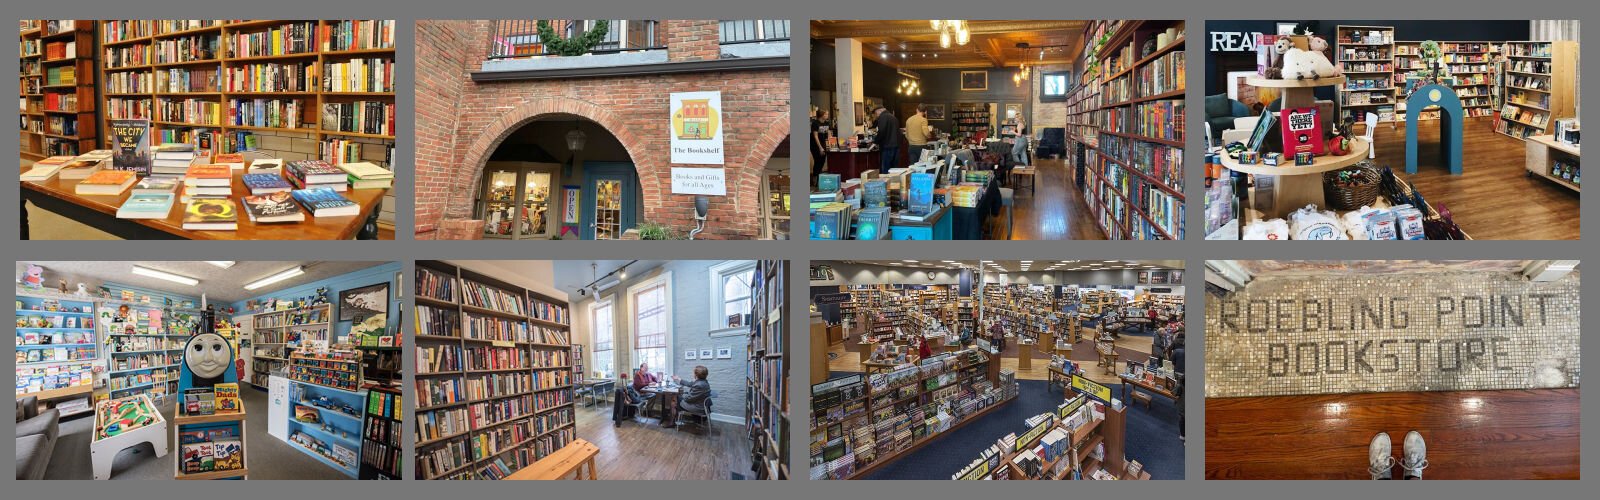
123	423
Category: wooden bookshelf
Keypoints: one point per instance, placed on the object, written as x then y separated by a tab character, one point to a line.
767	382
1367	56
1471	64
1125	129
1540	86
233	65
540	344
57	88
270	337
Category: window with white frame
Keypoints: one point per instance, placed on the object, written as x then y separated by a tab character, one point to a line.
730	297
652	323
603	318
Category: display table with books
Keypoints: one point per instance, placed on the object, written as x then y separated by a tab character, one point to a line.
60	193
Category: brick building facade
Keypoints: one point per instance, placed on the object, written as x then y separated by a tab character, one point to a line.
468	103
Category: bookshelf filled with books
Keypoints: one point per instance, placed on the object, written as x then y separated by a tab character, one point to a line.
276	335
144	348
380	434
1126	129
767	381
494	375
223	83
1540	86
57	346
1368	55
57	88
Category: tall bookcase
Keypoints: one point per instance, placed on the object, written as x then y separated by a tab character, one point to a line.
968	119
1128	120
1367	54
57	346
767	383
144	350
57	88
1469	62
275	335
494	374
235	78
1540	86
380	434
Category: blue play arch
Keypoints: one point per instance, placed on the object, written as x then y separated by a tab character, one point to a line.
1450	124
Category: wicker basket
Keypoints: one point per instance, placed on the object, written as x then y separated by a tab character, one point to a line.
1364	193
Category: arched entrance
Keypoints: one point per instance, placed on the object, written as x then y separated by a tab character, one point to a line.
527	181
1450	125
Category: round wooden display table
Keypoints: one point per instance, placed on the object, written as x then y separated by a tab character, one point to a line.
1296	186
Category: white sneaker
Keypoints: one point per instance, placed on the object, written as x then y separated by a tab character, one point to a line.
1380	457
1416	456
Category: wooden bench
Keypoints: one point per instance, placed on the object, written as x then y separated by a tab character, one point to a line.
574	457
1142	397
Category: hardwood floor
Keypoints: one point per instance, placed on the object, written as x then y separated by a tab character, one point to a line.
1055	209
641	449
1493	199
1470	434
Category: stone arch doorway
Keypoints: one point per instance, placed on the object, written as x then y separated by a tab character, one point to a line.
525	181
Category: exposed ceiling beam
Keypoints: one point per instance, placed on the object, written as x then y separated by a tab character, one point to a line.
991	49
857	29
942	63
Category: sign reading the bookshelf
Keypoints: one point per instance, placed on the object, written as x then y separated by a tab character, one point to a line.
696	128
706	181
1234	41
1392	333
830	298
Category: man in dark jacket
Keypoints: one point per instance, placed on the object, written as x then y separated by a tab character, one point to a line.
888	138
696	397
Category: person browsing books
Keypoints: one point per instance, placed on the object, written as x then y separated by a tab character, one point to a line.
917	130
888	138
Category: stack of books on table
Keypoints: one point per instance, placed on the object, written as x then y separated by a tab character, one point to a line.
311	174
78	168
324	202
46	169
207	181
172	160
364	175
274	207
106	183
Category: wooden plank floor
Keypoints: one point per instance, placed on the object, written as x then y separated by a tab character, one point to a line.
641	449
1055	209
1493	199
1470	434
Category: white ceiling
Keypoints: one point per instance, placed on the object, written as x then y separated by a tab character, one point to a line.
217	284
574	274
1014	266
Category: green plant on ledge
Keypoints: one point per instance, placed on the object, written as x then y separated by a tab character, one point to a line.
577	46
654	231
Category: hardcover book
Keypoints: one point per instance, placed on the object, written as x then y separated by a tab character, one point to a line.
1302	130
211	214
147	206
76	169
208	175
107	183
156	185
827	183
234	161
260	184
323	202
131	146
876	194
305	172
273	207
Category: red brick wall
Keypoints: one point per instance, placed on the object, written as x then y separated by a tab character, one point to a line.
441	62
634	109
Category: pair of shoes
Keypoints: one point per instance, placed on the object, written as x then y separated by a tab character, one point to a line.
1380	456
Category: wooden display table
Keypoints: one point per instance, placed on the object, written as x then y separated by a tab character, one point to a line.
1542	150
1059	376
1129	383
1296	186
100	212
872	367
103	450
575	457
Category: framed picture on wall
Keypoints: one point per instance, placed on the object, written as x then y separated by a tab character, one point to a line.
1175	277
356	304
974	80
691	354
1013	112
1158	277
934	111
705	354
724	353
1144	277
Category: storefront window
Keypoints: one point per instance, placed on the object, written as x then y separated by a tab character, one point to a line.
499	204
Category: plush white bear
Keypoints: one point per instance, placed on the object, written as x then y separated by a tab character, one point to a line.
1319	51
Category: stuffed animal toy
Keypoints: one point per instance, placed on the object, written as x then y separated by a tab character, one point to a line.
1319	51
1275	70
33	278
1307	64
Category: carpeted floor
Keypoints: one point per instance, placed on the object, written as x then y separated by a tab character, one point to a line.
268	457
1152	437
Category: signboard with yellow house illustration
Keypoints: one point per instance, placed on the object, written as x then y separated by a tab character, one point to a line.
697	128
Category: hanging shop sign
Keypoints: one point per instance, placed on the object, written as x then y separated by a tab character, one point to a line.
696	128
1091	388
1392	333
830	298
701	181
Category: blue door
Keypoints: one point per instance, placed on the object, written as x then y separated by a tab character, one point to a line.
610	199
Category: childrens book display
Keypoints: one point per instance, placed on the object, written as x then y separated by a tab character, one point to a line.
56	341
279	331
211	444
144	349
494	375
121	423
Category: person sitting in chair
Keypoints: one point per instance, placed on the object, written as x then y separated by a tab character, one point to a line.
696	399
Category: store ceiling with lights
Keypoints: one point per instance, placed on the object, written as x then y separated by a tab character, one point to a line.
218	283
1012	266
909	44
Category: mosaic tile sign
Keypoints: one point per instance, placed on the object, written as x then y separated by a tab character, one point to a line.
1350	333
